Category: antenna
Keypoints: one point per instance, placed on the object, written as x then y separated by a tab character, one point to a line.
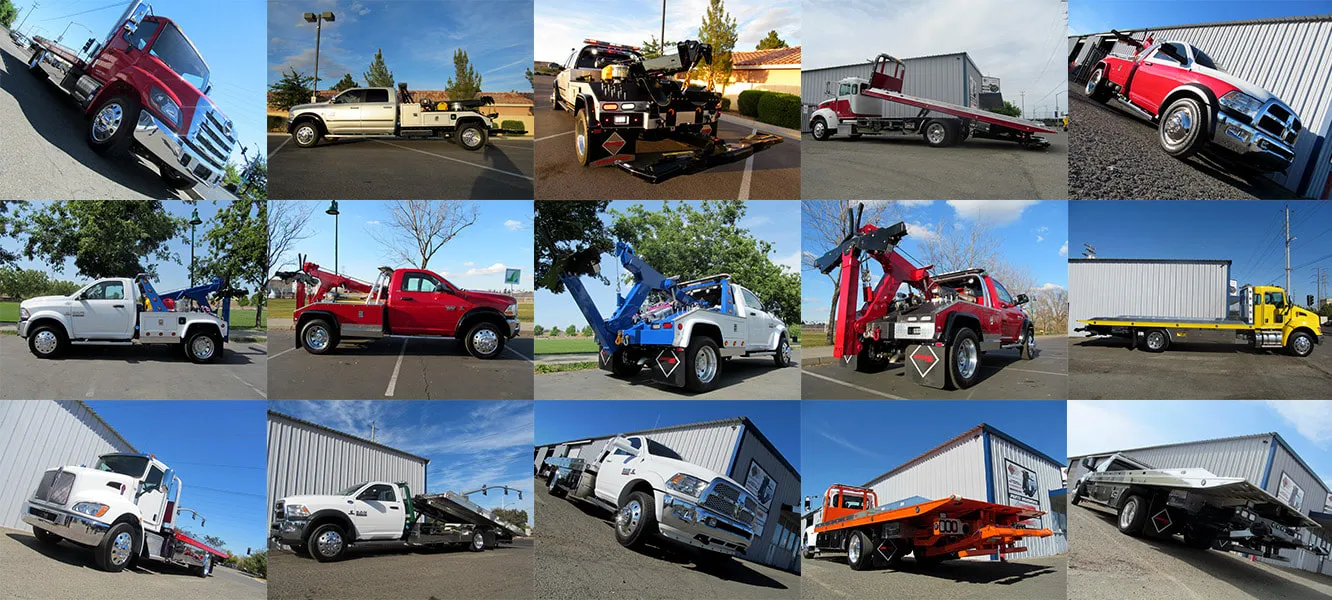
1088	250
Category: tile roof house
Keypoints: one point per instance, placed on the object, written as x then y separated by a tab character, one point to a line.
776	70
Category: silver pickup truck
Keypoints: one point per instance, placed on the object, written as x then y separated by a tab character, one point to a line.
386	112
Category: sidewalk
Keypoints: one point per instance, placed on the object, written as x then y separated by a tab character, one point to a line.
562	359
751	123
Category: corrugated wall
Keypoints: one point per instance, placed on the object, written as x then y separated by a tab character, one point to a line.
1145	288
1315	494
775	548
934	77
957	469
1048	478
308	460
36	435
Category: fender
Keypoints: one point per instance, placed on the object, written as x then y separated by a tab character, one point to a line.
684	335
191	327
336	515
646	480
49	316
308	116
1318	339
139	83
478	313
956	320
590	103
829	117
1199	92
307	315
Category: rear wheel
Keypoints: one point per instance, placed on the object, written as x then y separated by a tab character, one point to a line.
623	366
1300	344
703	364
583	142
35	64
484	340
472	137
941	133
1132	515
1182	127
926	562
206	568
478	542
1096	87
964	359
319	337
868	360
860	551
552	484
203	347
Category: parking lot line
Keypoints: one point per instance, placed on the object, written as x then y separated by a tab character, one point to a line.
275	150
261	393
749	168
457	160
520	354
852	385
523	147
393	381
1025	370
553	135
273	356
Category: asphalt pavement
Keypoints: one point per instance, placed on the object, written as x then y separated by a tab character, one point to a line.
1105	368
1108	565
401	368
1117	155
401	573
771	174
577	558
150	372
753	378
43	154
372	168
1004	375
904	167
30	569
1042	578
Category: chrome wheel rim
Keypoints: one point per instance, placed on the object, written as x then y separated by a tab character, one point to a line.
1126	516
107	121
305	134
202	347
853	552
626	521
45	342
1178	126
1030	341
786	352
478	541
329	543
1155	340
316	337
819	128
485	341
1091	83
471	137
580	139
705	364
120	548
935	133
1302	345
208	564
967	358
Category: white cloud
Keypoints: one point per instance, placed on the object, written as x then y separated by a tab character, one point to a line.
1040	238
1048	287
1040	233
997	212
469	264
491	270
791	261
513	225
1311	418
922	231
914	203
1063	250
372	222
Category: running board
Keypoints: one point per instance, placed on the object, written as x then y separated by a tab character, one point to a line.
102	343
716	153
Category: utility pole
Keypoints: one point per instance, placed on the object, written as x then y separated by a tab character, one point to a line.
662	41
1023	95
372	431
1288	241
25	17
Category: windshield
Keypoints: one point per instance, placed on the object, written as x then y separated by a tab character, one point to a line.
351	490
134	466
173	49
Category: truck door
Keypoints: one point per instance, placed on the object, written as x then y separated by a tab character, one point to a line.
383	513
152	502
618	466
124	49
1268	313
103	311
378	113
1011	328
344	112
1157	75
424	304
760	324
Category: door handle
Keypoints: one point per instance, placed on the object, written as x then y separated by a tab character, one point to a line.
393	508
408	299
118	305
753	314
354	107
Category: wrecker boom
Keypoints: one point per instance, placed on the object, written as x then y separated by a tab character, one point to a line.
646	280
321	282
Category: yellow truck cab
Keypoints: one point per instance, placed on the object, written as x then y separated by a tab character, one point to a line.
1266	319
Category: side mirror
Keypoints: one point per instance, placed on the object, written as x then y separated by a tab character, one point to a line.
620	443
827	88
1088	463
555	66
806	503
130	27
440	289
1022	299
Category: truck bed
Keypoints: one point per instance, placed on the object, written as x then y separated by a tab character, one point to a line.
1145	321
958	110
200	545
62	52
1224	491
953	506
453	508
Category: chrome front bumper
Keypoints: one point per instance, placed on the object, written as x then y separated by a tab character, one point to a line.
171	149
1255	147
288	532
513	327
23	328
688	523
69	525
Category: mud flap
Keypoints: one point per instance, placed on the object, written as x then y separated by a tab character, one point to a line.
660	167
927	365
668	366
604	359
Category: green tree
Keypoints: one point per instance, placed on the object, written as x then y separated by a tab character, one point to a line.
528	75
571	330
105	239
1009	109
466	82
7	13
22	284
719	30
9	227
379	74
292	89
537	330
653	48
257	189
513	516
256	563
567	236
236	245
555	331
587	331
346	83
771	42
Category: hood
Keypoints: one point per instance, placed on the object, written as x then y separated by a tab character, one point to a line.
1244	86
86	478
307	106
499	301
680	466
42	301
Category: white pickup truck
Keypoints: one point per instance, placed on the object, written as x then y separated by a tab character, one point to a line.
386	112
324	525
120	312
123	509
655	494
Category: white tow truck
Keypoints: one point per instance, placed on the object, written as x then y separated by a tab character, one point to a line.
655	494
124	509
386	112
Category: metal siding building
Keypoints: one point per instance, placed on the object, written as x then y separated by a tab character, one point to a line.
1111	287
1261	459
1290	57
306	458
36	435
727	446
951	78
973	465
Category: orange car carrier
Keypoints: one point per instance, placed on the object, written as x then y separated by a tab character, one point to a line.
874	536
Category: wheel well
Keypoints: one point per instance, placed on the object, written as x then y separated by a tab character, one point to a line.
479	315
707	329
116	88
478	120
1306	330
640	485
35	323
208	327
323	129
309	316
335	517
958	321
1202	95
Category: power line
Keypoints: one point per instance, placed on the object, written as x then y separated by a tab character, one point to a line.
114	5
200	487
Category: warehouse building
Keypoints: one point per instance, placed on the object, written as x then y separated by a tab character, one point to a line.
307	458
735	448
1287	56
1266	460
952	78
36	435
1112	287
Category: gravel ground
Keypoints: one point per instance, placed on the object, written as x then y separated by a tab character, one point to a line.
399	573
578	558
29	569
753	378
1018	579
1105	564
1116	155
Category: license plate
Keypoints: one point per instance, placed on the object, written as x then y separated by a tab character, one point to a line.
948	527
621	119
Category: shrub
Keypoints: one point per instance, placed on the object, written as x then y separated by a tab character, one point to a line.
513	124
782	110
726	104
748	101
537	330
277	123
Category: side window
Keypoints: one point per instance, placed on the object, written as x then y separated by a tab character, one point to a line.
154	480
569	62
635	443
378	493
1161	56
751	301
107	290
418	282
376	96
1275	298
139	39
844	89
1004	296
350	97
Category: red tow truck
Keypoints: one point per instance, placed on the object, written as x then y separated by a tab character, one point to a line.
941	326
400	303
144	88
1193	103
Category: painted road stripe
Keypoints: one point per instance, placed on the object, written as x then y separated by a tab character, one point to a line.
393	381
852	386
749	168
553	135
457	160
275	150
520	354
281	353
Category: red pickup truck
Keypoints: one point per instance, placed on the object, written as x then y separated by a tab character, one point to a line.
404	302
1193	102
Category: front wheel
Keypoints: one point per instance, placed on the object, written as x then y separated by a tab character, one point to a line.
472	137
327	542
111	130
117	548
307	134
319	337
782	358
964	359
703	365
1156	340
1182	128
818	128
47	341
636	520
1300	344
203	347
484	340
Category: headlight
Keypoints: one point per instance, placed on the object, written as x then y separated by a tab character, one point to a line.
91	509
1242	103
166	106
687	484
24	314
511	311
297	511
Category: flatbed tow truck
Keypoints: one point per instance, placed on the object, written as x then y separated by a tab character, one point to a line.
874	536
858	109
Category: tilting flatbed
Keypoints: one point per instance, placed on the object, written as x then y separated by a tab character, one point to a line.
957	110
452	506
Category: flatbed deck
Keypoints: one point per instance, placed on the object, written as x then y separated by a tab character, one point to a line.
957	110
1224	491
953	506
60	51
454	507
1167	322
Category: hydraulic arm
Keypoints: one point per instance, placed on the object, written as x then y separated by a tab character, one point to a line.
321	282
646	281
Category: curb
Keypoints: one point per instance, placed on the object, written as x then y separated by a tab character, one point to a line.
815	361
748	122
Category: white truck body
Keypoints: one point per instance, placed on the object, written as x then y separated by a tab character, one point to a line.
750	330
383	112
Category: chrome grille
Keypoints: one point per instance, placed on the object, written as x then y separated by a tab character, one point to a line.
60	488
278	513
211	136
730	501
1279	122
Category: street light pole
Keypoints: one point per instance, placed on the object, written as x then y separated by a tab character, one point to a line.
333	210
318	20
25	17
194	221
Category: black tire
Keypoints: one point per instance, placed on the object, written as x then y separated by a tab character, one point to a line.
633	533
1198	538
307	134
868	361
1096	88
782	357
860	551
318	336
1182	127
702	348
45	537
111	555
332	547
1077	495
1028	343
478	542
962	351
176	180
1132	515
203	347
808	554
300	550
1156	340
621	366
1300	344
205	569
484	340
940	133
111	129
555	98
584	143
478	134
34	65
818	129
40	345
551	485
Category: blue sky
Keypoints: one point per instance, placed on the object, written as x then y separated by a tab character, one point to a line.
235	55
633	22
1108	425
468	443
770	220
841	438
501	238
418	40
1086	16
1248	233
218	450
1033	232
